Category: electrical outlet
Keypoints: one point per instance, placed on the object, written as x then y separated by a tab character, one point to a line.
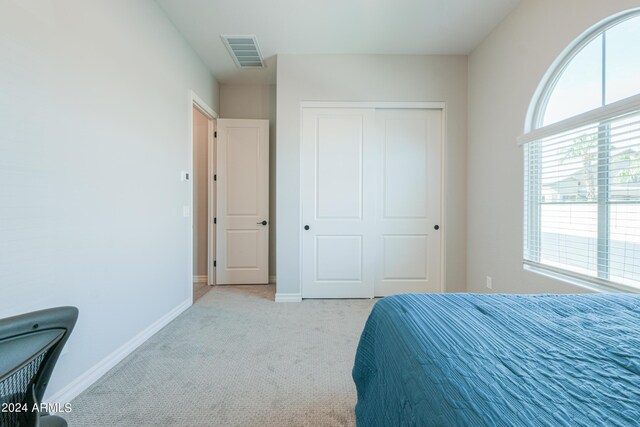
489	282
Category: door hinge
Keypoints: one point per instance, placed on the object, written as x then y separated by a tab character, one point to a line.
215	134
215	177
214	220
214	263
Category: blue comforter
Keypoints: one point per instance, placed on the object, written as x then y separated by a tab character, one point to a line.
500	360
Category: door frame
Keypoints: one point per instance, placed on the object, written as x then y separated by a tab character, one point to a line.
196	102
415	105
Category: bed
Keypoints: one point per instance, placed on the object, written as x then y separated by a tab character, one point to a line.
500	360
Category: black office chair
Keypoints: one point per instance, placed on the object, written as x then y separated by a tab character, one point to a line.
30	345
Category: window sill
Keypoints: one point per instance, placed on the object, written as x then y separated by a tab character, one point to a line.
579	281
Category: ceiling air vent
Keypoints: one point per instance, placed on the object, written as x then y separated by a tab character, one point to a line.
244	50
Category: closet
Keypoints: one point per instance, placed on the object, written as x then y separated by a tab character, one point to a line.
371	191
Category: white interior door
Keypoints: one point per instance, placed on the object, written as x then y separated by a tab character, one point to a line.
409	191
371	199
242	202
338	199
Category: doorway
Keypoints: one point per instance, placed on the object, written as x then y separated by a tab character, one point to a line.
203	197
371	181
233	184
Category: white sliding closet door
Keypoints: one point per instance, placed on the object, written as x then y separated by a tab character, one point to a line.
371	201
409	188
338	185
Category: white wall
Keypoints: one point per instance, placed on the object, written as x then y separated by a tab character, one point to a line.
368	78
256	102
504	72
200	192
94	131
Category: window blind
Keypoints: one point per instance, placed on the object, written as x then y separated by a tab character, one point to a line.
582	196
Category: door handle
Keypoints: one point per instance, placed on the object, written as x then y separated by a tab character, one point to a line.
306	227
262	223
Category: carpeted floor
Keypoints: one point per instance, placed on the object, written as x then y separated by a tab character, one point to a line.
199	289
236	358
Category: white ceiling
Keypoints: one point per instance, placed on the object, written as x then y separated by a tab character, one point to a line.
332	27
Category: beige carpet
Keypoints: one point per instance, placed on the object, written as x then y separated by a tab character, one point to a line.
199	289
236	358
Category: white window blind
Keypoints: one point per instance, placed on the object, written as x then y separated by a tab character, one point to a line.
582	195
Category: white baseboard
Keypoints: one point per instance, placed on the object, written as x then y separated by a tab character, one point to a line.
200	279
288	297
93	374
272	280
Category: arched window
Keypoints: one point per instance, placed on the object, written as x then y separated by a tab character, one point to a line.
582	160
